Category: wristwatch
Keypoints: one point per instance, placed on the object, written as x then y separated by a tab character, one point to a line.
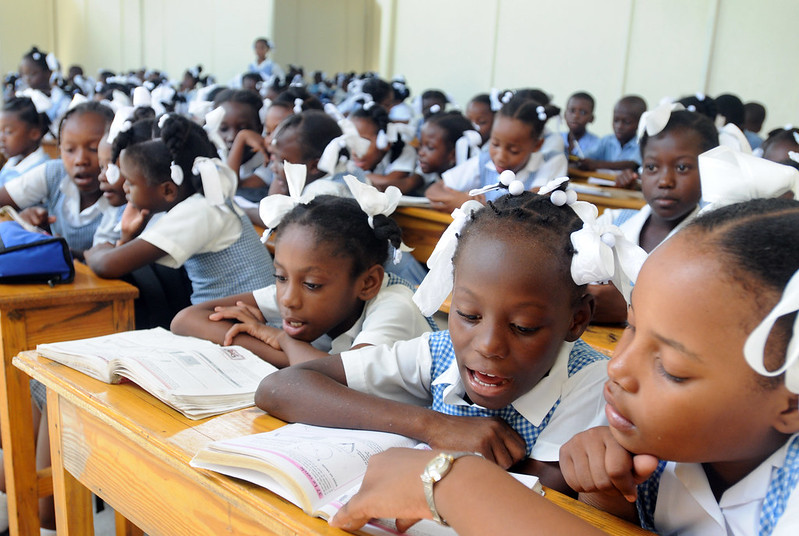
434	471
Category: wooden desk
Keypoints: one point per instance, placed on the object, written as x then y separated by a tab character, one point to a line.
603	338
421	229
36	313
51	148
134	452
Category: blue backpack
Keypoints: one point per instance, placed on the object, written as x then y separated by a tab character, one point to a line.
31	257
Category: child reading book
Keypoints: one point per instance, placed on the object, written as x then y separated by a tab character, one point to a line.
510	379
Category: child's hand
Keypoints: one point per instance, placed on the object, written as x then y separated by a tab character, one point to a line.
444	198
628	178
37	216
491	437
390	488
250	321
132	223
586	164
593	461
279	186
253	141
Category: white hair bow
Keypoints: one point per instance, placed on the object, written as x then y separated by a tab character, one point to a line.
273	208
121	118
264	110
159	96
397	131
373	202
655	120
754	348
141	97
41	102
112	174
604	253
213	120
219	181
728	176
467	146
119	99
52	62
349	139
200	108
496	103
437	284
77	99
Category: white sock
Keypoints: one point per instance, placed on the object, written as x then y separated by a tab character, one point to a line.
3	511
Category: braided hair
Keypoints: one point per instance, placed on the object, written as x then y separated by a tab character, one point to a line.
530	215
90	107
26	112
530	112
341	225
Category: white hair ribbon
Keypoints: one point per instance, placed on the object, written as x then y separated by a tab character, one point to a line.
373	202
273	208
437	284
793	156
219	181
213	120
41	102
176	174
728	176
467	146
655	120
796	137
507	179
200	108
160	97
604	253
141	97
52	62
162	121
298	106
76	100
382	140
112	174
496	103
349	139
397	131
264	110
119	99
333	111
754	348
121	118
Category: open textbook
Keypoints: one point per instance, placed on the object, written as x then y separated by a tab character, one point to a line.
318	469
194	376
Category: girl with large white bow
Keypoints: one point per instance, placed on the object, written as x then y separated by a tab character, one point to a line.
509	379
390	160
671	140
331	292
201	229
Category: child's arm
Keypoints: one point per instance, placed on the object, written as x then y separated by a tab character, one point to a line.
403	180
316	392
246	139
590	164
110	262
204	321
446	199
472	488
5	199
604	473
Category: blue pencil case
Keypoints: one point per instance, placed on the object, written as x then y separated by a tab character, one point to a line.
31	257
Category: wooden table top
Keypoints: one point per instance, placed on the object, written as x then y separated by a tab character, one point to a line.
166	433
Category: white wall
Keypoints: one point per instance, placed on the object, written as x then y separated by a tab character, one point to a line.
654	48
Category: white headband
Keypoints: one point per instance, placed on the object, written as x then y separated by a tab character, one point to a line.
274	207
729	176
754	348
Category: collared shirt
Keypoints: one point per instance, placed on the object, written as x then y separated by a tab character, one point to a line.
404	372
388	317
685	503
16	165
631	222
610	149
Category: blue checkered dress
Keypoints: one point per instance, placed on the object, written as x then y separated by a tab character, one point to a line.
443	355
78	238
783	481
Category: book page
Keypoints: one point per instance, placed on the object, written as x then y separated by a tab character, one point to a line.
316	464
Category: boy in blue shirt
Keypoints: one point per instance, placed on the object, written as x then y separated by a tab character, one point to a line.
620	149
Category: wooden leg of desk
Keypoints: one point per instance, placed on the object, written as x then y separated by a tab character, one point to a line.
73	501
16	422
125	527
